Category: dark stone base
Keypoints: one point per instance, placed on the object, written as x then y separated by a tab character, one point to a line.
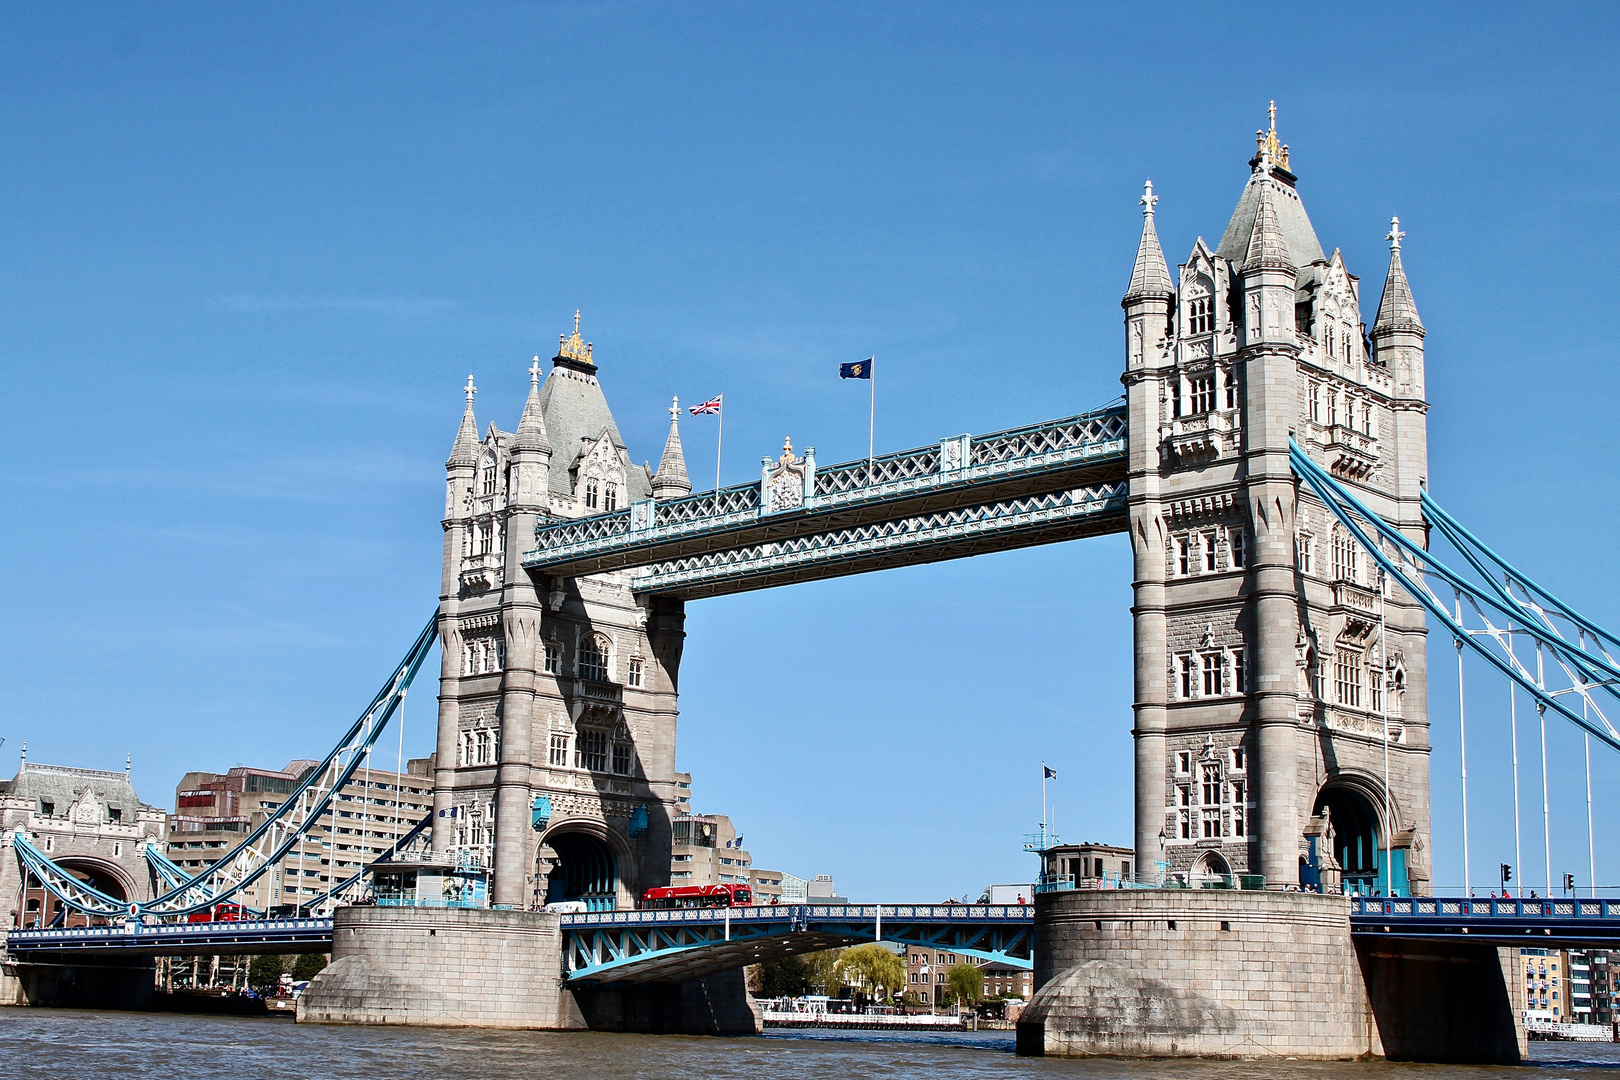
127	985
1442	1001
716	1005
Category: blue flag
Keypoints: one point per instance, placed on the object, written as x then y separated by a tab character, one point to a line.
1048	773
860	369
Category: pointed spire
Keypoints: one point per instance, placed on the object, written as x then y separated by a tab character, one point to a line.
1396	309
465	451
671	481
531	429
1150	276
1267	248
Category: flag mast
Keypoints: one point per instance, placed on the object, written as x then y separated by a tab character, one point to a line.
871	420
719	441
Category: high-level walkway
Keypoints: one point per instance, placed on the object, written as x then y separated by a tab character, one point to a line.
1053	481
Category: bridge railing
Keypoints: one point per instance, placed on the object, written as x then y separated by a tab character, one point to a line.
147	934
1508	907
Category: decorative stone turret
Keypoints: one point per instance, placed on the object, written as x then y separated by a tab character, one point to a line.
1397	333
531	449
671	481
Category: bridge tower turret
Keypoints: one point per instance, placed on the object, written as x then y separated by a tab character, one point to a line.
1262	681
556	752
1149	327
458	505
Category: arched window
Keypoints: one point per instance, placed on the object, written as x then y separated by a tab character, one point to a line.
488	487
1328	337
1344	556
593	659
1200	318
590	494
610	498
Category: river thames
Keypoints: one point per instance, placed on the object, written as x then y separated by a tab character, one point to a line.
69	1044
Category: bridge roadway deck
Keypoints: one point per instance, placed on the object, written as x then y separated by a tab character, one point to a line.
244	937
672	946
1054	481
649	946
1527	923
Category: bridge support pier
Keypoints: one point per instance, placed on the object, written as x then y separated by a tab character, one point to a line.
451	967
1196	973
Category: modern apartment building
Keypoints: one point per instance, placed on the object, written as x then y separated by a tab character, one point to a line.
215	812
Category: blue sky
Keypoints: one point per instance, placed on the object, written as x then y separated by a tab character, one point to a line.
250	254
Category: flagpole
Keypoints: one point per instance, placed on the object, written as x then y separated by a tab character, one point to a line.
871	431
1043	804
719	441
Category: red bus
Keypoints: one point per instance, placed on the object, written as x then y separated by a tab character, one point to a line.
221	913
697	896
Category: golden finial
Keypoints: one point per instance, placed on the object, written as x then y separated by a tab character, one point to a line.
574	347
1266	146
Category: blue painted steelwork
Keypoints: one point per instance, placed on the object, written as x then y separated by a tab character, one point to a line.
1528	923
248	936
669	946
922	485
1506	614
268	844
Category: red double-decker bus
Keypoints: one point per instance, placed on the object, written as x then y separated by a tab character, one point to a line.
697	896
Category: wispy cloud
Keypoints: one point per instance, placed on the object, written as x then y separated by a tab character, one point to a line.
243	302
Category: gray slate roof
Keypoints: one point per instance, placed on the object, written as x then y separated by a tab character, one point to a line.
1303	246
1150	276
1396	309
61	784
575	409
1267	246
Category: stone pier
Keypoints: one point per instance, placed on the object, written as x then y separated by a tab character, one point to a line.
1252	974
454	967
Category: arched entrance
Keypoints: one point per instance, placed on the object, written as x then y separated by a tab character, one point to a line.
583	869
42	908
1211	871
1357	837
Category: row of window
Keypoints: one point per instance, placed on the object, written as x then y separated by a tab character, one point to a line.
1211	674
1342	409
605	494
484	538
594	752
482	655
1199	393
481	746
1199	552
592	661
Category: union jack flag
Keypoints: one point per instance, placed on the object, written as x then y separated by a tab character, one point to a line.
710	406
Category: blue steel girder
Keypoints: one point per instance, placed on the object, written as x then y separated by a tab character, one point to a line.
957	473
1498	921
672	946
269	843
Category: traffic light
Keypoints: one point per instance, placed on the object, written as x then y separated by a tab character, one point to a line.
1569	882
1507	874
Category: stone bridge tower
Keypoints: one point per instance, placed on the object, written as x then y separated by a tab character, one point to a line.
1263	677
557	698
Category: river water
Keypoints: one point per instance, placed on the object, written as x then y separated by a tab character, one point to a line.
65	1044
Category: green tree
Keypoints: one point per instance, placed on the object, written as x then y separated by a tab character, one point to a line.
965	983
821	971
308	965
264	973
873	968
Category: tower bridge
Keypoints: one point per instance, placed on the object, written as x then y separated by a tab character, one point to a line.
1269	464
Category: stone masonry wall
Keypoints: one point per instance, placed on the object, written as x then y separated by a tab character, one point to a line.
442	966
1196	973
